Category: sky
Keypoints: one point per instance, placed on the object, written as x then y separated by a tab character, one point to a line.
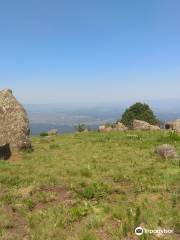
90	51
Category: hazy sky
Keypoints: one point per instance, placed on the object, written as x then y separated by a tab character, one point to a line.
90	51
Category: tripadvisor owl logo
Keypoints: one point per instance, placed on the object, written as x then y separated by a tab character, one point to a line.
139	231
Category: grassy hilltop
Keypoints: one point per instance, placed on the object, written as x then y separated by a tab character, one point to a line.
90	186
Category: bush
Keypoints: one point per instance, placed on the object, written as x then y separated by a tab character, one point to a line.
77	212
43	134
95	190
138	111
81	128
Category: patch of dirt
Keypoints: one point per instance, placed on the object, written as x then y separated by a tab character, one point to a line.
62	193
19	225
16	158
154	197
62	196
102	234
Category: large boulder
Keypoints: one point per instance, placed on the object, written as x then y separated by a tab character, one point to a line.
14	123
105	128
102	128
142	125
120	127
154	127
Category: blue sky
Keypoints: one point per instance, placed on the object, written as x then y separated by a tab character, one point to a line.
90	51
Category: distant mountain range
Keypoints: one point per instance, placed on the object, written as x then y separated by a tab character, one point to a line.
64	118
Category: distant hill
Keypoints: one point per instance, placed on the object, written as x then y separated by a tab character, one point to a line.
46	116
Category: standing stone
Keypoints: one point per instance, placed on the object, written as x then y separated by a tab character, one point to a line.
14	123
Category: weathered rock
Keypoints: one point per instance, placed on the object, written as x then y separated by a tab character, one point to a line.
153	127
142	125
114	127
14	123
166	151
120	127
105	128
102	128
108	129
53	132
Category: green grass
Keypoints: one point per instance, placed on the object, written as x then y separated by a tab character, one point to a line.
91	186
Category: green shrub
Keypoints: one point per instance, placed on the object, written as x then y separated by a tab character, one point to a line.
173	137
95	190
77	212
43	134
29	204
138	111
